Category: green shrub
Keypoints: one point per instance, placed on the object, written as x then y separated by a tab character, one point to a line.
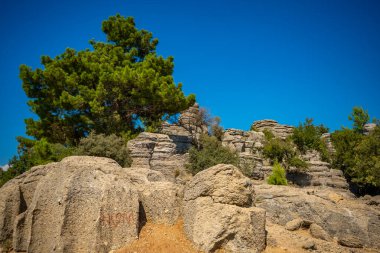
210	153
307	136
298	163
32	153
358	156
111	146
278	175
282	151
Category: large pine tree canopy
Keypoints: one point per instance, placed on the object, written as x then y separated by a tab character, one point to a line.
107	89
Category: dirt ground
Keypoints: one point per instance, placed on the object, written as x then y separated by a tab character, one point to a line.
155	238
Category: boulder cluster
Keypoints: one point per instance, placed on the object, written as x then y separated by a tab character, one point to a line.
91	204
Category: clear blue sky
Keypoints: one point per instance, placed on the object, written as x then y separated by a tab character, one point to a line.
245	60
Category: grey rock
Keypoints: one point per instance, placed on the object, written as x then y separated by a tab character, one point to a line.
84	204
218	212
336	216
294	224
161	201
318	232
350	241
309	245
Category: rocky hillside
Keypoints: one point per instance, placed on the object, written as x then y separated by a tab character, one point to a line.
91	204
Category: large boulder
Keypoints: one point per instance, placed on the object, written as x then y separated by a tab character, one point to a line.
161	201
338	214
15	196
218	211
81	204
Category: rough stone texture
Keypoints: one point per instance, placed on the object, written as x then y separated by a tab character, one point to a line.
161	201
191	119
350	241
369	127
318	232
248	144
160	152
347	217
218	211
81	204
319	173
280	131
15	196
84	204
294	224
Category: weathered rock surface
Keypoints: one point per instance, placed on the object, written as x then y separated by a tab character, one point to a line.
248	144
161	201
15	197
83	204
280	131
160	152
338	217
218	211
318	232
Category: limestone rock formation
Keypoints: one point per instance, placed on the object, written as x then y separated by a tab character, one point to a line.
160	152
82	204
280	131
341	218
248	145
161	201
15	197
218	211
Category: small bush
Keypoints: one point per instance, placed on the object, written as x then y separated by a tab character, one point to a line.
308	137
110	146
298	163
282	151
210	153
278	175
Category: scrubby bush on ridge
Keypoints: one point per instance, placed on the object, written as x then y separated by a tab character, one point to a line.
111	146
210	153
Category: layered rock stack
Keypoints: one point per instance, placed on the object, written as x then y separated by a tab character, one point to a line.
160	152
326	137
248	144
166	151
280	131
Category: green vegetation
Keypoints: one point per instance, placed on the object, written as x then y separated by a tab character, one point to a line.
111	146
359	117
278	175
308	137
358	156
118	87
107	89
209	152
282	151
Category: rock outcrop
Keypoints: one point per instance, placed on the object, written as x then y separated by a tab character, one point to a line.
336	214
82	204
280	131
161	201
160	152
369	127
219	213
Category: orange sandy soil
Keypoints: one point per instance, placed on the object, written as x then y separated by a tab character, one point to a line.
158	238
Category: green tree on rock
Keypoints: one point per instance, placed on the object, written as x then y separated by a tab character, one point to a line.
117	87
359	117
